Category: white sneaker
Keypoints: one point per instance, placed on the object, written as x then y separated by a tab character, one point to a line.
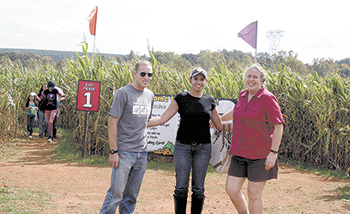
30	136
50	140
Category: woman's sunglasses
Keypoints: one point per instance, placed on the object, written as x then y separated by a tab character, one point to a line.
142	74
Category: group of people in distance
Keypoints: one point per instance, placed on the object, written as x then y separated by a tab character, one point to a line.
257	132
45	105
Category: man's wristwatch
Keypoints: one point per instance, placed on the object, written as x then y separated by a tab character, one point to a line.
274	151
112	151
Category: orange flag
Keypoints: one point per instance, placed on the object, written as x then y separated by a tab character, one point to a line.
92	19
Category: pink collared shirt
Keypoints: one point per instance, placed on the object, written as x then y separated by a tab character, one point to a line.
253	124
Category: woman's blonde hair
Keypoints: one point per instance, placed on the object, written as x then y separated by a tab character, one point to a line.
259	68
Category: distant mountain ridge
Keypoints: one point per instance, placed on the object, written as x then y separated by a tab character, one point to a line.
55	55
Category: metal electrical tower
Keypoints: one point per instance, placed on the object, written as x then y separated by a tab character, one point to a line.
274	36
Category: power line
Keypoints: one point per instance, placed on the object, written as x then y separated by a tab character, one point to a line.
314	49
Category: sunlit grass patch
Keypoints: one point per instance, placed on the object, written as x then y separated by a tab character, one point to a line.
344	192
15	200
7	150
67	150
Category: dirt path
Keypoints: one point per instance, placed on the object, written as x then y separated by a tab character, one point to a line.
81	189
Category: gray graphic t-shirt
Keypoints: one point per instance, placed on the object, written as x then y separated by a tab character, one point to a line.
133	108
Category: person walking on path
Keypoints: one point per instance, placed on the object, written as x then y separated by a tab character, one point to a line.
131	109
257	133
32	108
55	121
43	125
50	102
193	141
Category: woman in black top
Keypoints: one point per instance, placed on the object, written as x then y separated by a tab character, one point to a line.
193	145
41	113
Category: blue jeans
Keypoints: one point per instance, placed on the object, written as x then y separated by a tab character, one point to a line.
126	182
186	157
30	124
42	124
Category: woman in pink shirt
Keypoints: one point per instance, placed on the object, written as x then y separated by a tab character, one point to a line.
257	133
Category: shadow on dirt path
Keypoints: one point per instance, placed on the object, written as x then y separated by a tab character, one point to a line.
36	151
75	188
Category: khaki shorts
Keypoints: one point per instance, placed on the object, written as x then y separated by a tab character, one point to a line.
253	169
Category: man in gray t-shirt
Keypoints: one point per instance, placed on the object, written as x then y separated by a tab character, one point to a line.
131	109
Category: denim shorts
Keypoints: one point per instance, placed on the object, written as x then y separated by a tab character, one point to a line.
253	169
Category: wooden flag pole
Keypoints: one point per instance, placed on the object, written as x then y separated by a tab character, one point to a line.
87	112
256	46
93	56
256	52
92	24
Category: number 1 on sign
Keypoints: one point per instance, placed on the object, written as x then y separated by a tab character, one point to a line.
88	100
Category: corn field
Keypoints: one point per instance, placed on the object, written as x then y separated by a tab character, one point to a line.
316	109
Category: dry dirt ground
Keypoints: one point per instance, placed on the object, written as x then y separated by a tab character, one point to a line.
81	189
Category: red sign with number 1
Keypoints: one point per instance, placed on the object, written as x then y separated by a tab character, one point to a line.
88	98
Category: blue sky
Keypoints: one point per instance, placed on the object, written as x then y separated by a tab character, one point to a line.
312	29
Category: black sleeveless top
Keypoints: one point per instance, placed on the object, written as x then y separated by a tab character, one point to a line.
195	114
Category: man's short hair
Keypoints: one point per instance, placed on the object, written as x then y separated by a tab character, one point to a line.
142	62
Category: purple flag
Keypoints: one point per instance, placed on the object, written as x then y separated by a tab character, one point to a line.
249	34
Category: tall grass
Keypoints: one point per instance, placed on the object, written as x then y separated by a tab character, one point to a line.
317	118
316	109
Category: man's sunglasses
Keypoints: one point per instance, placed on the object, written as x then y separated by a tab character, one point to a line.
142	74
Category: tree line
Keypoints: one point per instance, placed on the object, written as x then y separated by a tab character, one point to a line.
234	59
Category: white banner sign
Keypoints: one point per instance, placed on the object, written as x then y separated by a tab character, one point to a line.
161	139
